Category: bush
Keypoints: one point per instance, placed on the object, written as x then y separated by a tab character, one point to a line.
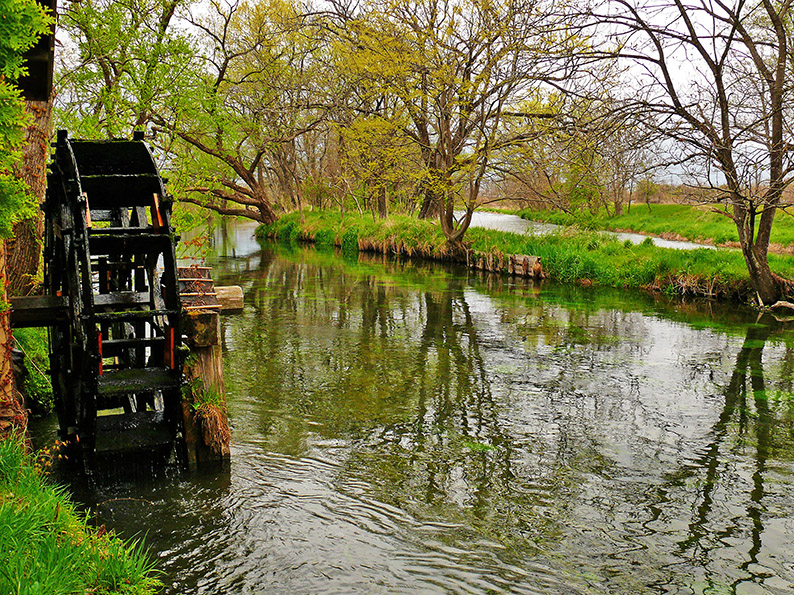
288	232
324	237
37	388
350	242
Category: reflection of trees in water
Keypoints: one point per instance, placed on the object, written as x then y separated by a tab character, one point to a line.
411	378
401	373
747	422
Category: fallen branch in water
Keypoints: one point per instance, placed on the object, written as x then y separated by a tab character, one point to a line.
782	304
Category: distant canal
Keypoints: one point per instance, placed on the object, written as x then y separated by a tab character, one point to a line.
413	428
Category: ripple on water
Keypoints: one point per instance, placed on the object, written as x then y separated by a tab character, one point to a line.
442	434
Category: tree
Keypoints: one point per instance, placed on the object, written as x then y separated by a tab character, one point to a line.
122	62
381	157
455	67
252	100
23	21
715	78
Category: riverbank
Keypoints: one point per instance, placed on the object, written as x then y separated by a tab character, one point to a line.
687	223
46	546
572	255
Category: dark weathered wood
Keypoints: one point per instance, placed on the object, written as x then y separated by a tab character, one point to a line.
122	298
40	310
204	372
135	380
132	315
129	243
141	431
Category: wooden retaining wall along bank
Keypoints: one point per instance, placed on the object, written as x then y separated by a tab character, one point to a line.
521	265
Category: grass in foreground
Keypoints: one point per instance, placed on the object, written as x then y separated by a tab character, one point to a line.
687	222
571	255
47	547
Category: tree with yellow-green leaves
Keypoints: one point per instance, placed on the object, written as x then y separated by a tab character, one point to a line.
254	111
455	67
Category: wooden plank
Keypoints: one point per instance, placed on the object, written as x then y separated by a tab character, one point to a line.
122	298
136	380
40	310
142	431
132	315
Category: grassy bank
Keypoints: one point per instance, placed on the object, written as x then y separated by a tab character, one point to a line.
670	221
46	547
570	256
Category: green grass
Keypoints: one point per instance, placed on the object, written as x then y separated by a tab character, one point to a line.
47	548
694	223
37	388
572	255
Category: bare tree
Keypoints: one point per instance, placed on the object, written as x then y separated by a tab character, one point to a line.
715	77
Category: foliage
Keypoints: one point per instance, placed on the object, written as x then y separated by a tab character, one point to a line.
445	73
263	108
726	114
46	546
37	388
23	21
126	62
571	255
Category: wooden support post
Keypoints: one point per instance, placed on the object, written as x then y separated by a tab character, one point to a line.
207	434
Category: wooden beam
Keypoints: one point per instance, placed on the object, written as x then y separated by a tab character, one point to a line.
40	310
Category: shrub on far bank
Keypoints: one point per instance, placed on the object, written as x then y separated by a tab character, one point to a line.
570	255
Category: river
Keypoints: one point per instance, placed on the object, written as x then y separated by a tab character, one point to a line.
515	224
407	427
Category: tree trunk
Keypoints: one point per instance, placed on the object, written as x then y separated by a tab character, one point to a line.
24	250
267	212
768	286
13	417
765	283
431	205
383	210
432	201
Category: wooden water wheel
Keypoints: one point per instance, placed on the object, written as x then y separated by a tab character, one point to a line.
116	360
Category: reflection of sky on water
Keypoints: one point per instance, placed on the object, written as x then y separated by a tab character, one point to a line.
405	427
229	238
515	224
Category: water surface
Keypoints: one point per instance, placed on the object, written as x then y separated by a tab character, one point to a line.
409	428
515	224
